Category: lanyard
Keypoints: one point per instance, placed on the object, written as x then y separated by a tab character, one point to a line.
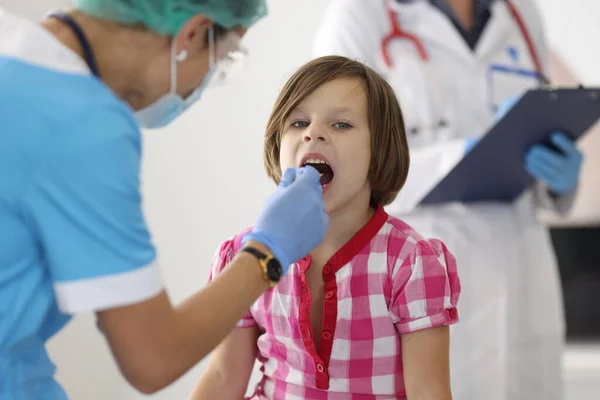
83	41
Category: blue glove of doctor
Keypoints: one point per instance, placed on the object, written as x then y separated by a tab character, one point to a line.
293	221
560	172
503	108
470	143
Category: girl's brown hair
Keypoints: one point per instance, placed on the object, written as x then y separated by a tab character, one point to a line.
389	148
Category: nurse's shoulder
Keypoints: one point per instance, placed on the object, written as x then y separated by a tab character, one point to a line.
74	149
47	93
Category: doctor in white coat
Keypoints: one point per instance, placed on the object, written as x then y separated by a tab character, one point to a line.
453	65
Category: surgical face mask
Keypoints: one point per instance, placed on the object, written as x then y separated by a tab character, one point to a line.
166	109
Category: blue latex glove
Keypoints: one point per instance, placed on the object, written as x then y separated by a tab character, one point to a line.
501	112
560	172
293	221
470	143
505	107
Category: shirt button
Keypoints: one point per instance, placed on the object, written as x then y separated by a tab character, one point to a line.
453	313
326	335
327	270
329	295
320	368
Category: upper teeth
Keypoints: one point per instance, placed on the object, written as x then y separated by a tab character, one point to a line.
314	161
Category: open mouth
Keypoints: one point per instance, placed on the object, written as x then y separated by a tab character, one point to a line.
323	168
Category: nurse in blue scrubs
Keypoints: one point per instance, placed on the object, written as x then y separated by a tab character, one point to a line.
74	90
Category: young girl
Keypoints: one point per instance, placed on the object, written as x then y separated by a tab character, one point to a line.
365	315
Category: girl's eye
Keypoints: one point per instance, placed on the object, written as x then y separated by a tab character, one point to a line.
342	125
299	124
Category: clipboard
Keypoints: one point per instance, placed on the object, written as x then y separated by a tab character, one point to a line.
494	171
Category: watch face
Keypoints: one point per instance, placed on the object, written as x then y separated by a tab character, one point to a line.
274	270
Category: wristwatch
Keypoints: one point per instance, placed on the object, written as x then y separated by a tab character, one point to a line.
271	267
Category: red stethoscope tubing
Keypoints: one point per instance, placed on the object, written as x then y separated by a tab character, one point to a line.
398	33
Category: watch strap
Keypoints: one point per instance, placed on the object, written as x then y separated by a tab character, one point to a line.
263	260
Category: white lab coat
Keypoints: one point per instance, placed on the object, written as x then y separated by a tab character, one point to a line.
508	343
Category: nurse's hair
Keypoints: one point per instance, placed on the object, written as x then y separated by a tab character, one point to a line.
389	147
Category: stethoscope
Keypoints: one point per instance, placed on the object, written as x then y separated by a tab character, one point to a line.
398	33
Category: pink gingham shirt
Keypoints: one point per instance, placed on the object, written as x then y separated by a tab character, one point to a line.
385	282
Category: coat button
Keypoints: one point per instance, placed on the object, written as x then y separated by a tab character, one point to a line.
320	368
326	335
329	295
453	313
327	270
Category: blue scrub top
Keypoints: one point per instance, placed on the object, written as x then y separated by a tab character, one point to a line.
72	233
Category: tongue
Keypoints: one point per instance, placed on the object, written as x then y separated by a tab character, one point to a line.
326	177
325	171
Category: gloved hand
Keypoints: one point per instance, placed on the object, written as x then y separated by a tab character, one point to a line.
470	143
560	172
505	107
293	221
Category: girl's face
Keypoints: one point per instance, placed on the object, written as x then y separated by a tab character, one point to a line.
329	130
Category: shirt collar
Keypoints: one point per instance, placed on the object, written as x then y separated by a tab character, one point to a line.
481	7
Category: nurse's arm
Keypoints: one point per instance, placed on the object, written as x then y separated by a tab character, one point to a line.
155	343
230	367
426	364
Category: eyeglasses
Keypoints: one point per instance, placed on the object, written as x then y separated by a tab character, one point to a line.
229	58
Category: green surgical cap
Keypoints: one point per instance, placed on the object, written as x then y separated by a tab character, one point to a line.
167	17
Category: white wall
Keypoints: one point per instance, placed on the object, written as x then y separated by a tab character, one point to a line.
573	29
203	176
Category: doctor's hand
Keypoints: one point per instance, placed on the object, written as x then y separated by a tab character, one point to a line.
505	107
560	172
470	143
293	221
